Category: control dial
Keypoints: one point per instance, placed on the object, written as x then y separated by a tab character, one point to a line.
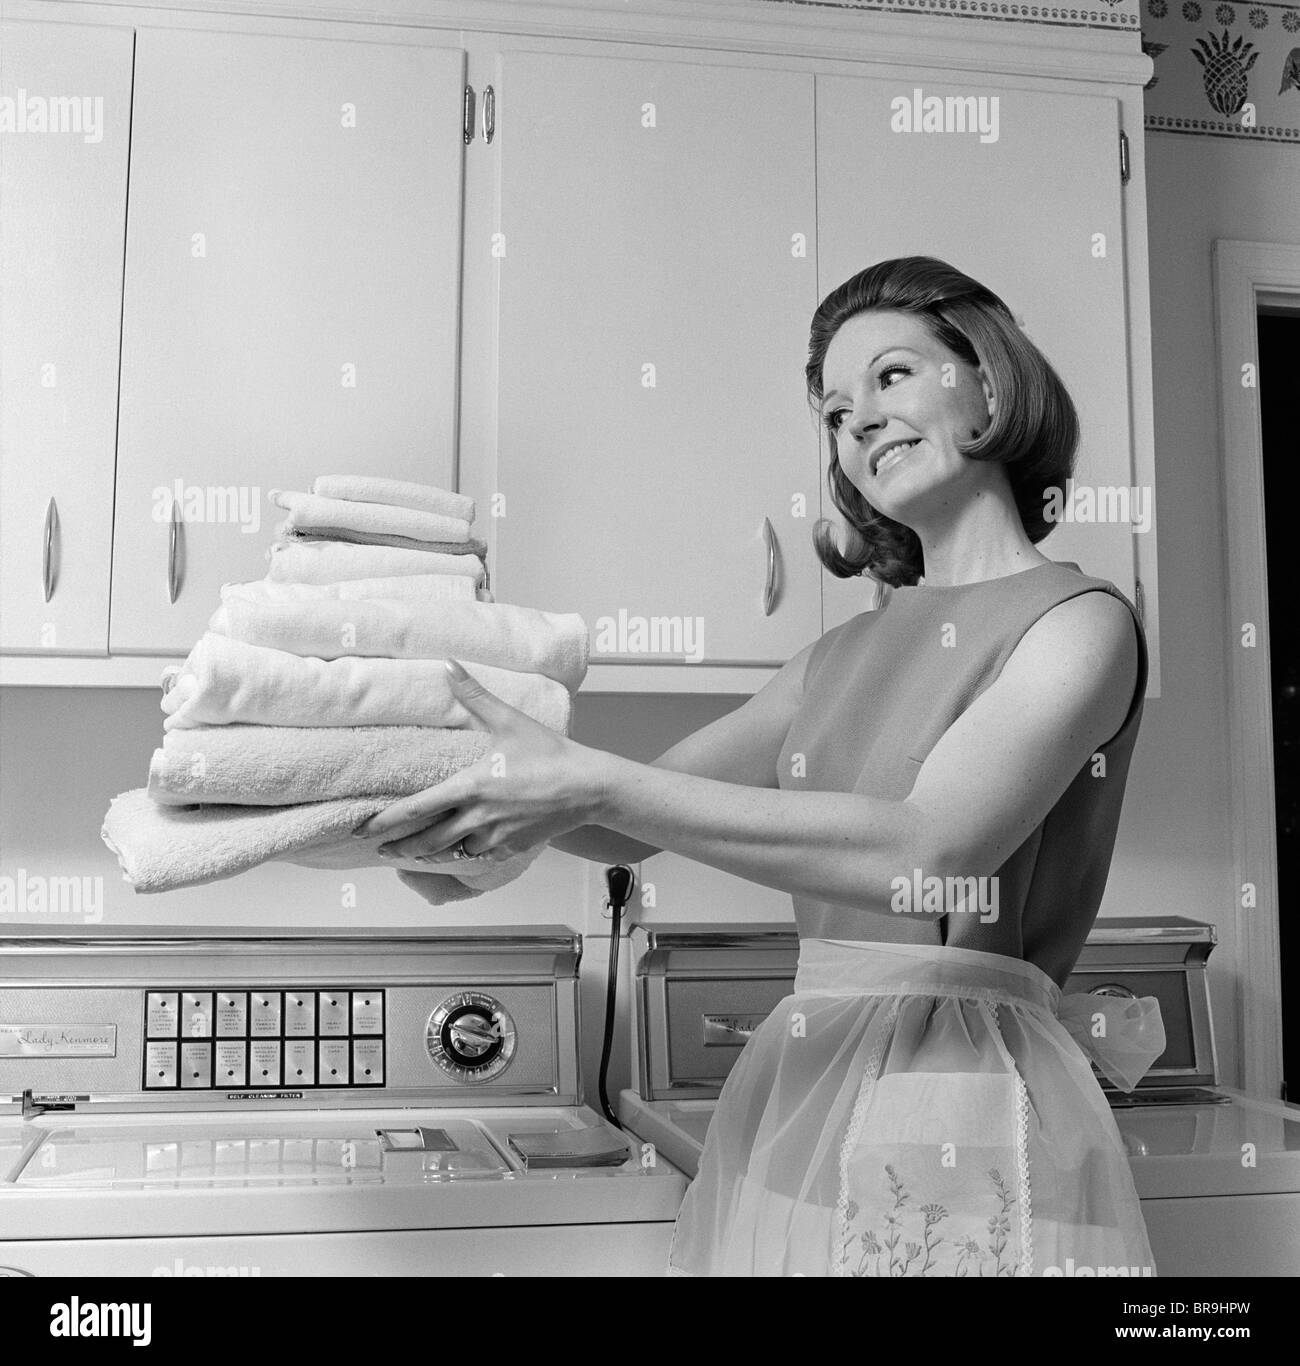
471	1037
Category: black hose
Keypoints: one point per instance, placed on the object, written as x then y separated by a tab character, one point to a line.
619	879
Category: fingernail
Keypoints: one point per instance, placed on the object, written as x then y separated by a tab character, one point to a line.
386	852
360	832
454	669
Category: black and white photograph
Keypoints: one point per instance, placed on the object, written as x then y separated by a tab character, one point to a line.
649	639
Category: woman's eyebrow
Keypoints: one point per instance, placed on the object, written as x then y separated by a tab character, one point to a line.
833	393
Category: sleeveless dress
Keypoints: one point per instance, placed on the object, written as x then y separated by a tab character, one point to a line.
923	1103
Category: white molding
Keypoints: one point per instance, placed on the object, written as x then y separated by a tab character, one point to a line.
752	27
1242	270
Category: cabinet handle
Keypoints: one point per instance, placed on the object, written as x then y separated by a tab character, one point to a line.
173	541
769	588
467	115
47	549
489	113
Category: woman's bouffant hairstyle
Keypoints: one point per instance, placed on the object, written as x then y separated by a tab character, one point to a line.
1034	430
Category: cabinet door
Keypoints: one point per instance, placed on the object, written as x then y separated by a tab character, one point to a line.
1036	215
656	285
62	223
292	272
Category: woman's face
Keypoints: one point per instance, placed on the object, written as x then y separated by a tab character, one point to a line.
888	380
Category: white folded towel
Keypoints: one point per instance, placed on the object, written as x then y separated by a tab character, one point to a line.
162	848
426	587
364	488
304	561
310	512
508	637
245	765
224	680
285	532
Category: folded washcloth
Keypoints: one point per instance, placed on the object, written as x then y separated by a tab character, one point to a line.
426	587
291	534
224	680
305	561
508	637
163	848
398	493
245	765
310	512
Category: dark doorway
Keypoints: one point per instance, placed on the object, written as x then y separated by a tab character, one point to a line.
1279	364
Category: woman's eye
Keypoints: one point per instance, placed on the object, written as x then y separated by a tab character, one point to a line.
833	419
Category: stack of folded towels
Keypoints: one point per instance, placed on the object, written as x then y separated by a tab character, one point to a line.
318	696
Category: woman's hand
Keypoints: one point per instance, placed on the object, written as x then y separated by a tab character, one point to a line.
531	785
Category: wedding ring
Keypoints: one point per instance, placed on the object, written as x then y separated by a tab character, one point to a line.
458	850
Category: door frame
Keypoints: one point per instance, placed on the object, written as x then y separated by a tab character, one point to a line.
1245	272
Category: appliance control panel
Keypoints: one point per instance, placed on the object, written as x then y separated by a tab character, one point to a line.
200	1018
259	1038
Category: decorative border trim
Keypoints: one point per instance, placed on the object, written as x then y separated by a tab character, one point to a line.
1163	123
1053	15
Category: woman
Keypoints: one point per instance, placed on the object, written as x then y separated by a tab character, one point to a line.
938	785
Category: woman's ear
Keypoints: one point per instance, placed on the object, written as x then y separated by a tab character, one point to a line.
990	398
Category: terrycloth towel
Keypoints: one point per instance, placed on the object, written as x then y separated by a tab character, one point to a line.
426	587
244	765
398	493
307	561
224	680
508	637
162	848
310	512
287	534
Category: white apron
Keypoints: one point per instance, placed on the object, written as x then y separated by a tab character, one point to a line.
916	1110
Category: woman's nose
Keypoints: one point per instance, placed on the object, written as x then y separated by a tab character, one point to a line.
863	422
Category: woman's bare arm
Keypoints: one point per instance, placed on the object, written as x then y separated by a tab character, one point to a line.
988	782
741	747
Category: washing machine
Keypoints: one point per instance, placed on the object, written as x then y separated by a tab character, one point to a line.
291	1102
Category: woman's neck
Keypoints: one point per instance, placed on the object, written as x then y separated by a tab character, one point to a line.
985	540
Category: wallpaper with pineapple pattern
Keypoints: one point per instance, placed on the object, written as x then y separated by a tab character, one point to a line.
1223	68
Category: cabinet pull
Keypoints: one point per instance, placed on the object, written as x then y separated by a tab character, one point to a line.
489	113
467	115
769	588
47	549
173	541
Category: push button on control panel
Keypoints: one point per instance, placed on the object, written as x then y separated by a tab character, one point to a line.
196	1014
335	1008
299	1013
264	1013
334	1054
264	1061
159	1065
252	1039
161	1014
232	1014
300	1062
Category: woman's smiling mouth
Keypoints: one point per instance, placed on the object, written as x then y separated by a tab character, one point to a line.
892	454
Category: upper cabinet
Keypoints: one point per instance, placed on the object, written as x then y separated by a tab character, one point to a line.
292	276
1026	197
62	225
655	458
571	277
